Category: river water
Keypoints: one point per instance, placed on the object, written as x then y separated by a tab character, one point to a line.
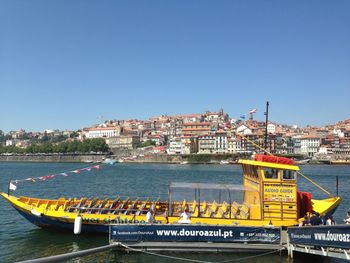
20	240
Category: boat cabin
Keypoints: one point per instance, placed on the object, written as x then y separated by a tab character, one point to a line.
269	193
275	182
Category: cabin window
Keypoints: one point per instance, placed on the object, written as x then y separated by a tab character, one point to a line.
250	170
271	173
289	175
255	172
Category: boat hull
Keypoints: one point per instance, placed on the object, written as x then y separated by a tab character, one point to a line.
60	225
44	215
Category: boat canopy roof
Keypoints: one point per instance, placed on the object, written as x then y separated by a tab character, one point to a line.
270	165
210	186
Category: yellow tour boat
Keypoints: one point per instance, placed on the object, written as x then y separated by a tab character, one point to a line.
268	196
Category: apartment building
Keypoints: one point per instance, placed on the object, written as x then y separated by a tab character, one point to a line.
123	141
197	128
221	143
309	145
207	144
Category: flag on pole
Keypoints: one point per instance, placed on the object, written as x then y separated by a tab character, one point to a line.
242	116
13	186
252	111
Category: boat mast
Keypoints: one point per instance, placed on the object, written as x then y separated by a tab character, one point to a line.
267	119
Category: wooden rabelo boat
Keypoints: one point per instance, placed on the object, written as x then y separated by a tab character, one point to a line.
268	196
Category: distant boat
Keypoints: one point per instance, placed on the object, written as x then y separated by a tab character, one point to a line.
224	162
184	162
110	161
303	161
340	162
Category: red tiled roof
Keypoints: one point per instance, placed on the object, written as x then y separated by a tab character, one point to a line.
101	128
197	124
196	129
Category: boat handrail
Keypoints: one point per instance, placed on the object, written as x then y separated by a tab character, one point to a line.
89	210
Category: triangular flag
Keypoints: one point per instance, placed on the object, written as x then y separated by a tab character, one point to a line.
50	176
76	171
64	174
96	167
13	186
43	178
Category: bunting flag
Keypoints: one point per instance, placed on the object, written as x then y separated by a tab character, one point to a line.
13	184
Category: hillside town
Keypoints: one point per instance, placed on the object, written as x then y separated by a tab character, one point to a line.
204	133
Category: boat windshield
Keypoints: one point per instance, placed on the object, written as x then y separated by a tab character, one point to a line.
198	197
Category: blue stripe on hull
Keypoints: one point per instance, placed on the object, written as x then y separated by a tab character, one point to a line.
46	222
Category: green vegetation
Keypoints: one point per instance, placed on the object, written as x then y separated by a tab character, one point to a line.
49	139
147	143
199	158
86	146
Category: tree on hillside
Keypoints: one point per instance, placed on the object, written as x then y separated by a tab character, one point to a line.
2	136
148	143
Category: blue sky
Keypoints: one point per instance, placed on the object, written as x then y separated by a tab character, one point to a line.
64	63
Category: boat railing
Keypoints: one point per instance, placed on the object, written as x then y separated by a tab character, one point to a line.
125	206
97	210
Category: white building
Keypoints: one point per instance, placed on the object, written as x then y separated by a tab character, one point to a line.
221	144
309	145
102	131
324	150
244	130
232	147
10	143
175	146
271	128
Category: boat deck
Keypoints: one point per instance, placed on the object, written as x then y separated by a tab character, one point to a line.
128	206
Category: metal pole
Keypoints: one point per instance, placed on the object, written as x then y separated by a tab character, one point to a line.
266	120
337	184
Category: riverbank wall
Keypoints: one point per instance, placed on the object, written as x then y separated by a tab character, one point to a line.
148	158
52	158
